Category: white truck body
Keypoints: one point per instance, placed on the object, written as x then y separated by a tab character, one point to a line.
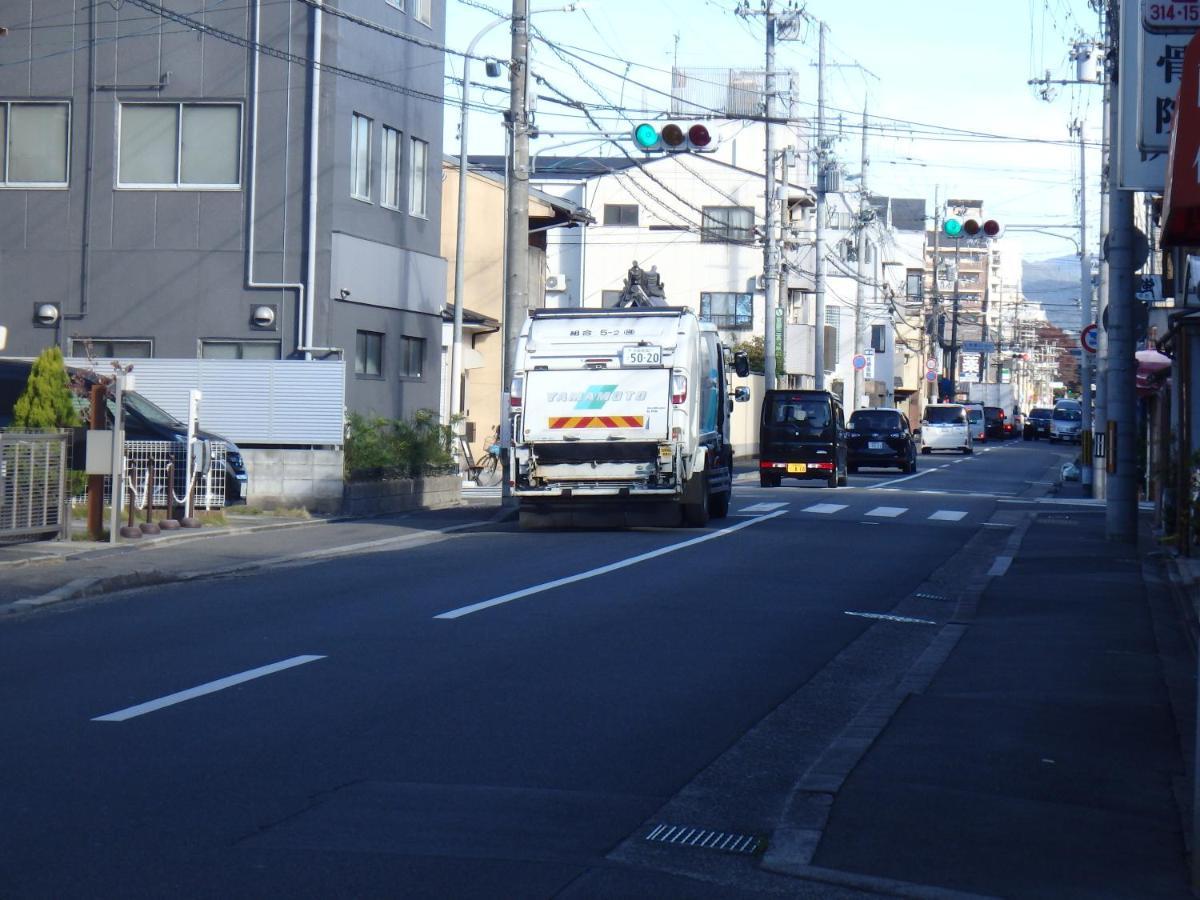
991	394
621	406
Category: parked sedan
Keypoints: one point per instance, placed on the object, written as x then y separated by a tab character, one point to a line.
880	437
1037	425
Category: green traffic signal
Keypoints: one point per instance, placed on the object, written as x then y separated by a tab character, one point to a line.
953	228
645	136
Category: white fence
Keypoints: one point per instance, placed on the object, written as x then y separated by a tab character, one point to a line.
33	471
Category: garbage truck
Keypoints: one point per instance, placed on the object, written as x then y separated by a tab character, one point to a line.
621	417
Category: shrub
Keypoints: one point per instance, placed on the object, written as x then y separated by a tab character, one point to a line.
47	400
377	447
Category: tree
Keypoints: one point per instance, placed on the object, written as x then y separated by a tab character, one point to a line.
47	401
755	350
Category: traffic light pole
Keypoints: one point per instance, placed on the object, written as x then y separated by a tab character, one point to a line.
819	266
770	245
1085	319
860	316
517	223
952	373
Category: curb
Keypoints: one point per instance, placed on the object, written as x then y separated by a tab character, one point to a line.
104	584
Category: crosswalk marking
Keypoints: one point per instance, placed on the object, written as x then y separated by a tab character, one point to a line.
825	509
889	512
948	515
763	507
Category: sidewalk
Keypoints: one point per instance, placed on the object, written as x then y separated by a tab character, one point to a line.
1049	752
39	573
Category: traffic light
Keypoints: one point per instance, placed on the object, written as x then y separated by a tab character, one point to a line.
959	227
673	137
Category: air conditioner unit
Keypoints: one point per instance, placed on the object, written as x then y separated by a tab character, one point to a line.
556	282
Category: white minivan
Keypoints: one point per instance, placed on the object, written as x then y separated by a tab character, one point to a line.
944	426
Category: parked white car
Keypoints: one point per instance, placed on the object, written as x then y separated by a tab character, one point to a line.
945	427
1065	421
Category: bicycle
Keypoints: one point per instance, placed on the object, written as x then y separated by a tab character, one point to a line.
486	471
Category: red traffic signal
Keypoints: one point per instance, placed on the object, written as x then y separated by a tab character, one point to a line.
989	228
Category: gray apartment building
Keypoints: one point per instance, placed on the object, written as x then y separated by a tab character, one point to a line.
181	181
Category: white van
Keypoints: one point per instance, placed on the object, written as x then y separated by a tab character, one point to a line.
1066	421
944	426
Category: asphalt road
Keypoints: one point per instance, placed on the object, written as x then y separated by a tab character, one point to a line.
492	713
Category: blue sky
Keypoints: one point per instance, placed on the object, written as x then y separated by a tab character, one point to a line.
915	63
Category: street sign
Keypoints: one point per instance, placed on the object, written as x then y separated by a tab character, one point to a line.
1170	15
978	347
931	375
1181	202
1089	338
931	363
1138	169
859	361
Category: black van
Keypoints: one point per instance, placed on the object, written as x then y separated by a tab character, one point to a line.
802	434
142	420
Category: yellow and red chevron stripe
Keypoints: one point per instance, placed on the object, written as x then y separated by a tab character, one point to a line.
597	422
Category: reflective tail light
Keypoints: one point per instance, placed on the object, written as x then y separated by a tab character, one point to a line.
516	391
679	388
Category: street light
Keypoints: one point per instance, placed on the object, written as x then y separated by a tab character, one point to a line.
461	225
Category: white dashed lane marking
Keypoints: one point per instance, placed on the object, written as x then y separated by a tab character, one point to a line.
948	515
825	509
888	512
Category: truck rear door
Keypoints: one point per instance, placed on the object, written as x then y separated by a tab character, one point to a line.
631	404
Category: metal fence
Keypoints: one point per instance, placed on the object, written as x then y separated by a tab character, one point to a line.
153	467
33	483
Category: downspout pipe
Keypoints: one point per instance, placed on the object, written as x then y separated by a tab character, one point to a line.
251	190
314	171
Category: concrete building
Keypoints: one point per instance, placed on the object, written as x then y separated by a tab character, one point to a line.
171	187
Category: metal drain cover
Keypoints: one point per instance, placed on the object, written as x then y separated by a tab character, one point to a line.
730	842
926	595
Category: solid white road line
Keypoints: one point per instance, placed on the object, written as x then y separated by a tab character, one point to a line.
1000	566
602	570
887	618
211	687
947	515
904	478
824	509
888	512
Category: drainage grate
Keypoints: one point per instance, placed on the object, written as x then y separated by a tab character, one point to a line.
704	837
925	595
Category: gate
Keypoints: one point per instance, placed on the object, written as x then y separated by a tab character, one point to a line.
33	484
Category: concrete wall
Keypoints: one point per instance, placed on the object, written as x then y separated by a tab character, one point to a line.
284	478
375	498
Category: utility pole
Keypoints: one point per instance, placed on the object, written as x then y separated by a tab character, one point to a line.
860	313
953	370
770	245
1120	444
1085	317
516	303
819	267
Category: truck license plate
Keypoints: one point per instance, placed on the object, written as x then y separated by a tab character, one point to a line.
797	468
874	445
641	356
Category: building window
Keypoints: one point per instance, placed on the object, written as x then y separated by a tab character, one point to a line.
390	182
412	356
620	214
368	354
727	224
180	145
239	349
833	321
360	157
399	4
111	348
610	299
34	144
423	11
727	310
878	338
418	162
914	285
